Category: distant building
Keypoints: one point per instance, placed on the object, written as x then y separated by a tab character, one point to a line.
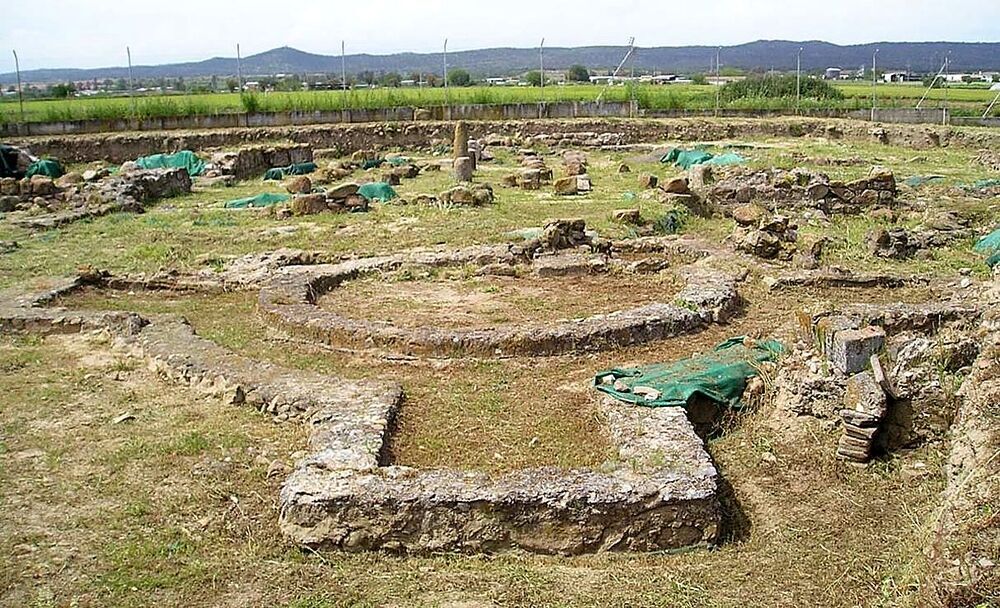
502	82
967	77
895	76
659	79
832	73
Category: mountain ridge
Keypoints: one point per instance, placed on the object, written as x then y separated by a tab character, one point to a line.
498	61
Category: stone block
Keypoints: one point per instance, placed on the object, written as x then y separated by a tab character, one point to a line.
308	204
677	185
343	190
561	265
627	216
567	186
299	184
851	348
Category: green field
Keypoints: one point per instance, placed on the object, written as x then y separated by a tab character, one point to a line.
969	101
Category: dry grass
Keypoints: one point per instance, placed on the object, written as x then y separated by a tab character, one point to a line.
175	509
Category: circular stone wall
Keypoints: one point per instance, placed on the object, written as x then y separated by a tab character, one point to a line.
300	301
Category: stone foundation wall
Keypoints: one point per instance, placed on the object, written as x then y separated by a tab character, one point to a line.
120	147
660	495
658	492
289	300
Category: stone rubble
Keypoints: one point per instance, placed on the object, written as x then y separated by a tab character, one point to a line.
476	195
341	198
773	238
46	206
801	188
253	161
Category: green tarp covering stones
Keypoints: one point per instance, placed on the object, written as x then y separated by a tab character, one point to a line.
720	375
990	246
279	173
915	181
257	202
46	167
685	159
377	191
185	159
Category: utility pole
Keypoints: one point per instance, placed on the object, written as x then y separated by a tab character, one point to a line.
611	80
343	66
718	82
798	79
447	99
990	107
541	63
944	113
874	55
131	82
239	69
944	65
20	95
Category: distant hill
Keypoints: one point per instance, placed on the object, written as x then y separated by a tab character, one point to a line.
759	55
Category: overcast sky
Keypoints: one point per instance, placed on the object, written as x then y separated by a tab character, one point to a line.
94	33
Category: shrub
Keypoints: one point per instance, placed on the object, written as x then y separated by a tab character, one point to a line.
778	86
578	73
459	78
250	101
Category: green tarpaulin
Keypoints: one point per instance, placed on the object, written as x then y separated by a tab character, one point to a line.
915	181
990	245
46	167
721	375
729	158
398	161
279	173
371	164
982	184
185	159
252	202
685	159
377	191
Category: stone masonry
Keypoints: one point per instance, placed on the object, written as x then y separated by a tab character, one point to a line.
659	492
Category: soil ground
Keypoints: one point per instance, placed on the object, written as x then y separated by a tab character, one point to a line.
176	504
489	301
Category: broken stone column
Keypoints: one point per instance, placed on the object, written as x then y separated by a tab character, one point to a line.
865	405
461	145
475	152
463	169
